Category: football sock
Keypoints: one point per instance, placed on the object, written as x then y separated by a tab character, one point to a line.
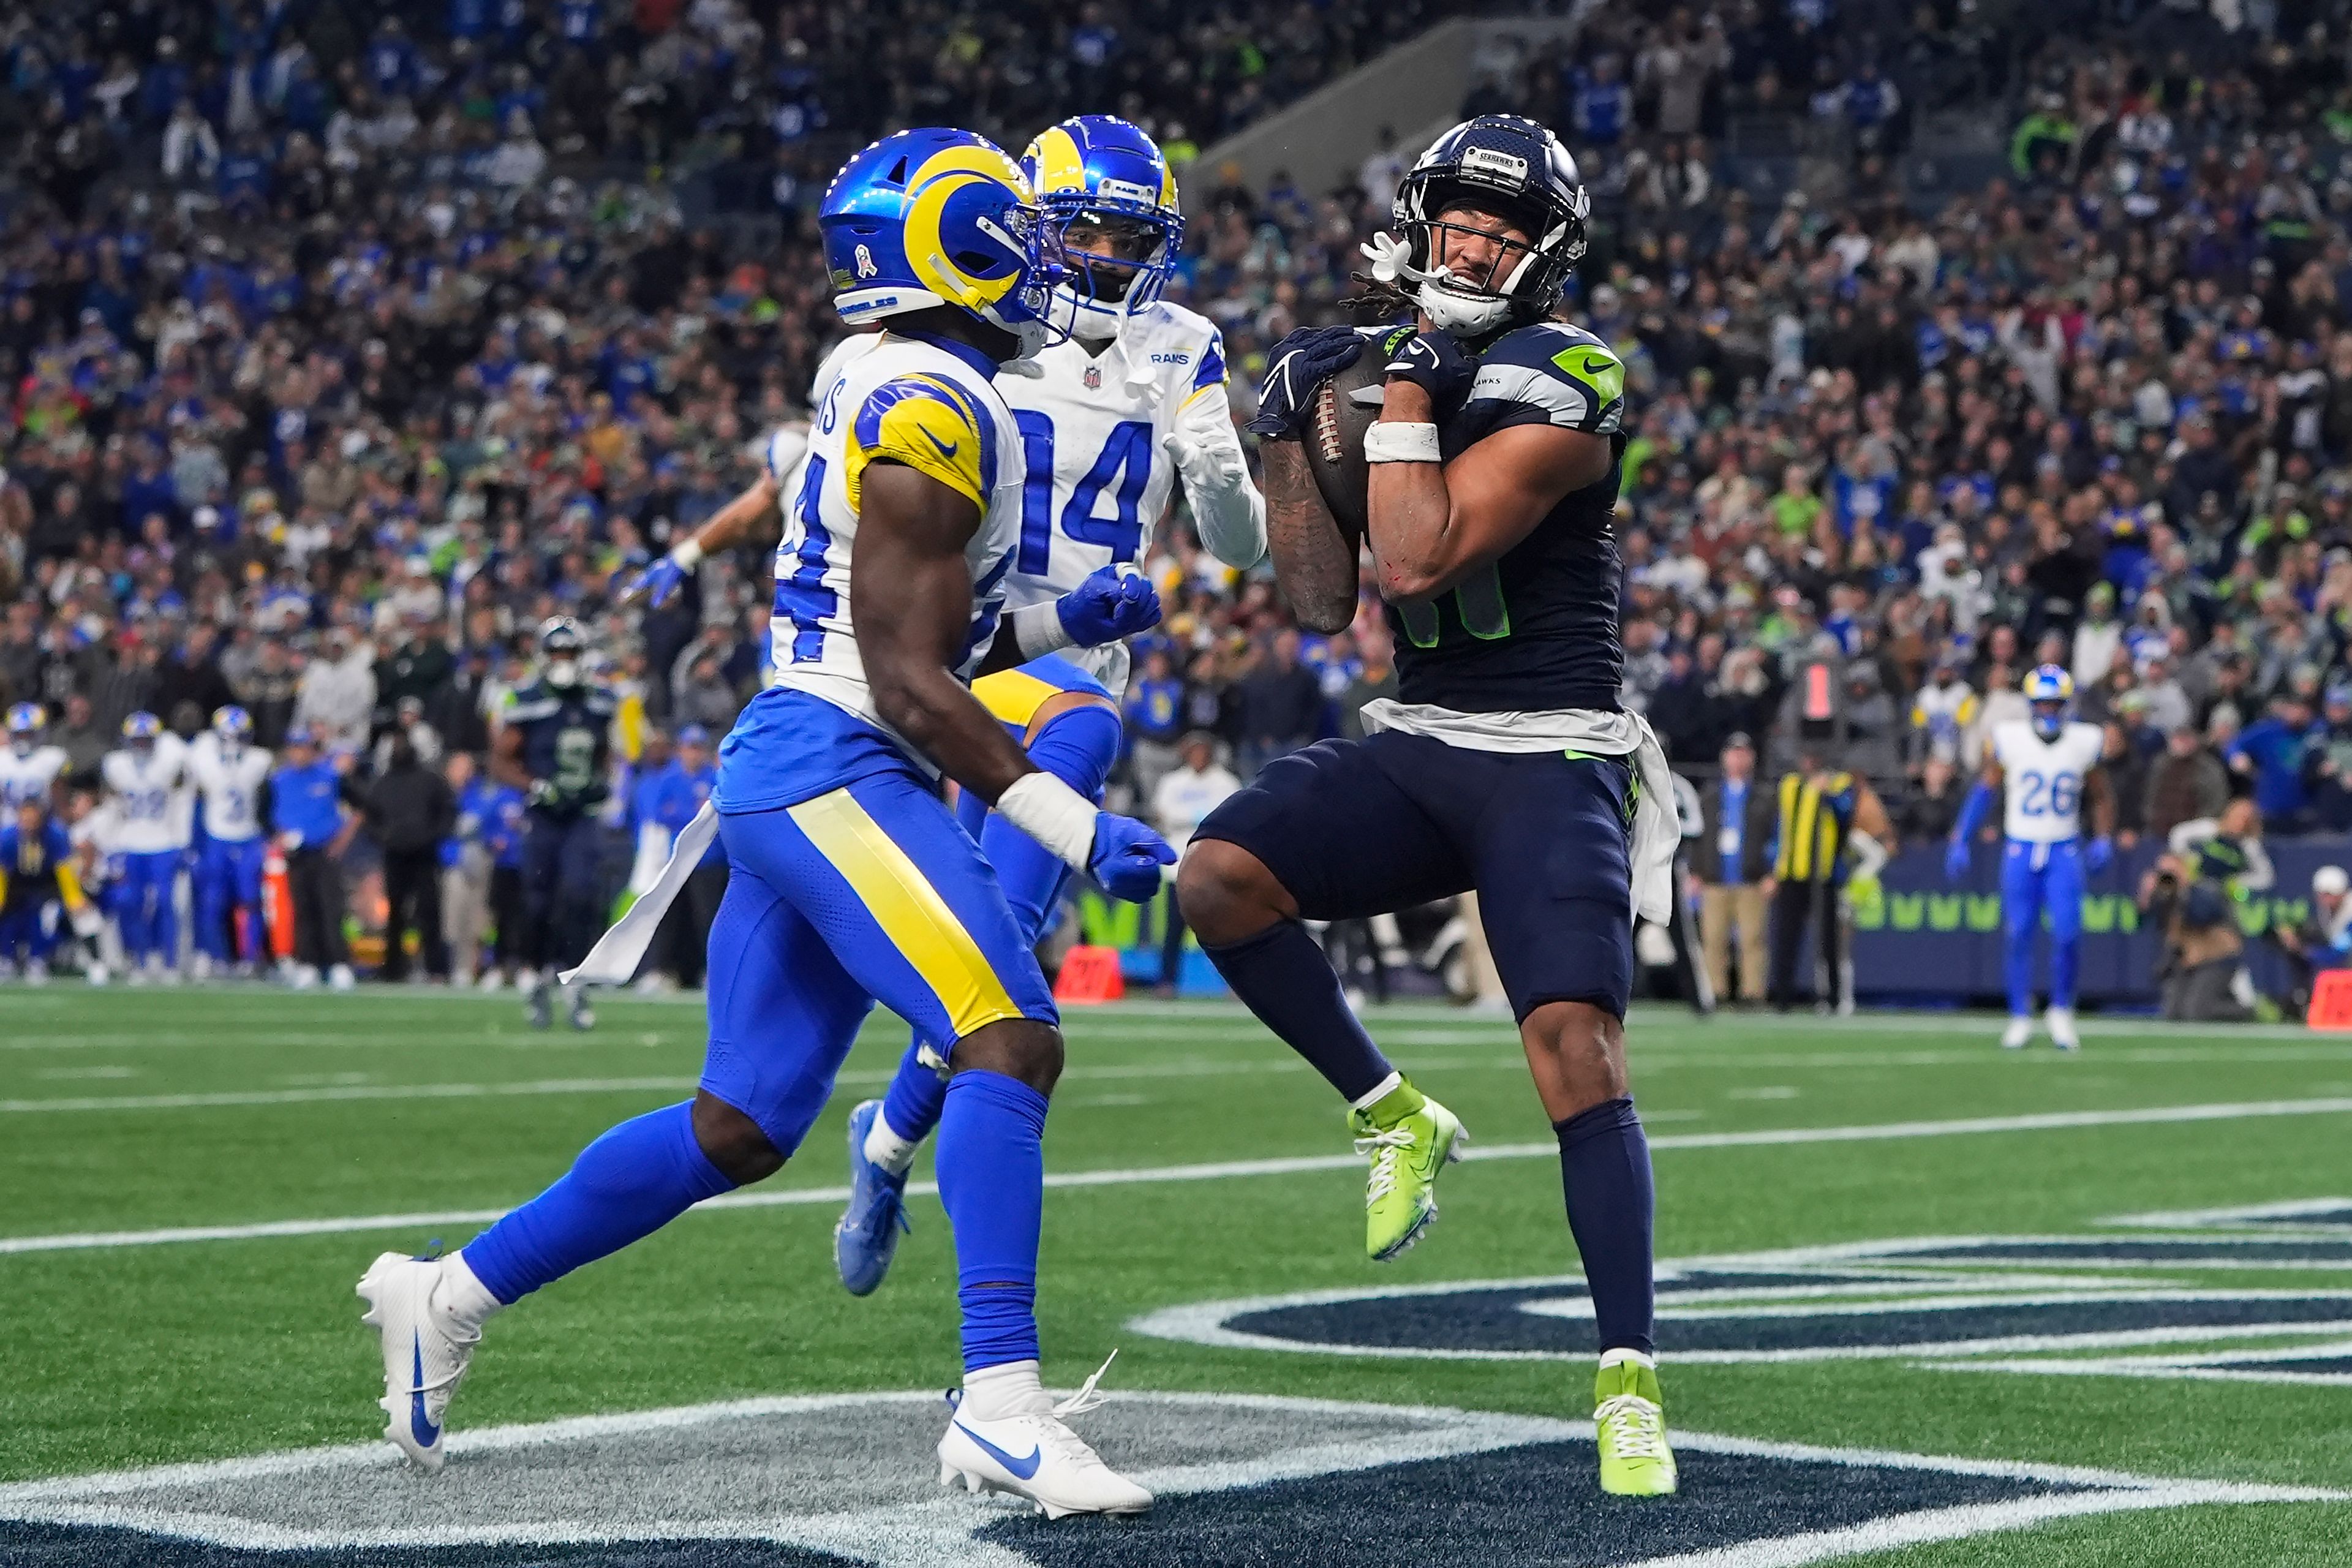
1283	977
992	1393
910	1109
2017	963
1605	1168
2065	958
464	1302
991	1172
628	1183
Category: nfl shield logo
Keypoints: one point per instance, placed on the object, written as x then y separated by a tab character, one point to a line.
1094	378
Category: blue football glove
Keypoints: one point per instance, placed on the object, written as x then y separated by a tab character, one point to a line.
1114	602
657	583
2098	855
1127	858
1956	859
1434	361
1295	367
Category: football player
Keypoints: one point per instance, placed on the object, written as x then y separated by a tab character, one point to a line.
40	896
29	769
145	781
1504	763
849	880
230	773
2050	765
555	744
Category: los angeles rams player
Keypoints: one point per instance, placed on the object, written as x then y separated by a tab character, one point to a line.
1504	763
229	773
146	780
29	770
2051	766
849	880
1132	402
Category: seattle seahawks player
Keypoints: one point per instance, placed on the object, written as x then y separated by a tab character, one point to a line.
555	744
145	780
2051	766
1134	401
230	774
29	770
849	881
1504	763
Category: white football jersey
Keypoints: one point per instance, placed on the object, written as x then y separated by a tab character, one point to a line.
936	411
2044	779
99	830
230	786
30	776
151	795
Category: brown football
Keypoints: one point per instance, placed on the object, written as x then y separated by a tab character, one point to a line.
1335	441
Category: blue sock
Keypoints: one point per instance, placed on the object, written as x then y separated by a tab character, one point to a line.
1283	977
2017	958
1079	747
2066	961
1604	1167
992	1166
628	1183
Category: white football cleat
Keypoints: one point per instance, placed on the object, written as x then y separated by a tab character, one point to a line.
423	1359
2060	1023
36	971
340	978
98	975
2018	1035
1034	1455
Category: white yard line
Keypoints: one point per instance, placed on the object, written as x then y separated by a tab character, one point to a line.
1223	1170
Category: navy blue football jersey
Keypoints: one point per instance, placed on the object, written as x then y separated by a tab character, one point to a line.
567	738
1536	630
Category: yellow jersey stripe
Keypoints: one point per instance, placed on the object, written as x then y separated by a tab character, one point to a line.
910	911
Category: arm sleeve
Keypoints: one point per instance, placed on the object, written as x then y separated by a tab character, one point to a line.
1232	523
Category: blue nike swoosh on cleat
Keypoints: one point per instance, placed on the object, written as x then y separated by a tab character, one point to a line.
1024	1469
946	448
419	1427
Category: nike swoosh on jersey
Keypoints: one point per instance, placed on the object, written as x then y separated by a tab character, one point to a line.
1025	1468
944	449
420	1426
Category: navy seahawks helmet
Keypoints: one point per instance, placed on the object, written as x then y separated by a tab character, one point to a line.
561	651
1515	168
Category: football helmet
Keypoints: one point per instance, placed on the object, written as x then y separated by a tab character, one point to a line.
233	725
1518	168
561	651
1097	171
141	730
26	722
932	217
2051	690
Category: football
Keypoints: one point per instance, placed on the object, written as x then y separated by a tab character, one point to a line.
1345	407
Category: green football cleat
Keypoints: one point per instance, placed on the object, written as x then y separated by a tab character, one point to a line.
1628	1421
1410	1139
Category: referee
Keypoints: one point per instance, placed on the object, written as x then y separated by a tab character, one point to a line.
1830	823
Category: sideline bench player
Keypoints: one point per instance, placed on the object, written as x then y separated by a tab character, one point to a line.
1504	764
849	879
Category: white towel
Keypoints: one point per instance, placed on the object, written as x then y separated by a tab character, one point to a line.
613	959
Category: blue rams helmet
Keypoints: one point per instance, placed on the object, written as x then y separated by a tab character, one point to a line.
1098	172
1516	169
233	724
26	722
2051	690
142	728
926	218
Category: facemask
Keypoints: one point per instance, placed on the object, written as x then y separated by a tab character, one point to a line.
563	672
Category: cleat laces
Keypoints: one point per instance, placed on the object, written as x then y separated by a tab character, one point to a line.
1385	1149
1632	1426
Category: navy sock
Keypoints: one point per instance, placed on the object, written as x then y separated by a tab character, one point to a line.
992	1168
1604	1166
1283	977
912	1103
628	1183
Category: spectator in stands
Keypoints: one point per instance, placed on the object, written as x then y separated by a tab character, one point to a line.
1931	811
2186	783
1281	703
2327	762
2321	940
2268	753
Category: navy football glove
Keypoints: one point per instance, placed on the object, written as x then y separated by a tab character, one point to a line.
1434	361
1294	368
1127	858
1114	602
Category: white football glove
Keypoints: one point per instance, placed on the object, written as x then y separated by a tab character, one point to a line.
1225	505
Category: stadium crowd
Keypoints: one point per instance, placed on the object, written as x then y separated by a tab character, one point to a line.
337	356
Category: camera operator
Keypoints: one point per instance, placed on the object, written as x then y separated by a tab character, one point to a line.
2323	940
2211	865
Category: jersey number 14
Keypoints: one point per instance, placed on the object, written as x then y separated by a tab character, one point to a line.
1125	459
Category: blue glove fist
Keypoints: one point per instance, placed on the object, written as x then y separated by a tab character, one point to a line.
1956	859
1434	361
657	583
1127	858
1114	602
1295	367
2098	854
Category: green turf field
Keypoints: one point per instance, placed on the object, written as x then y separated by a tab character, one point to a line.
191	1182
